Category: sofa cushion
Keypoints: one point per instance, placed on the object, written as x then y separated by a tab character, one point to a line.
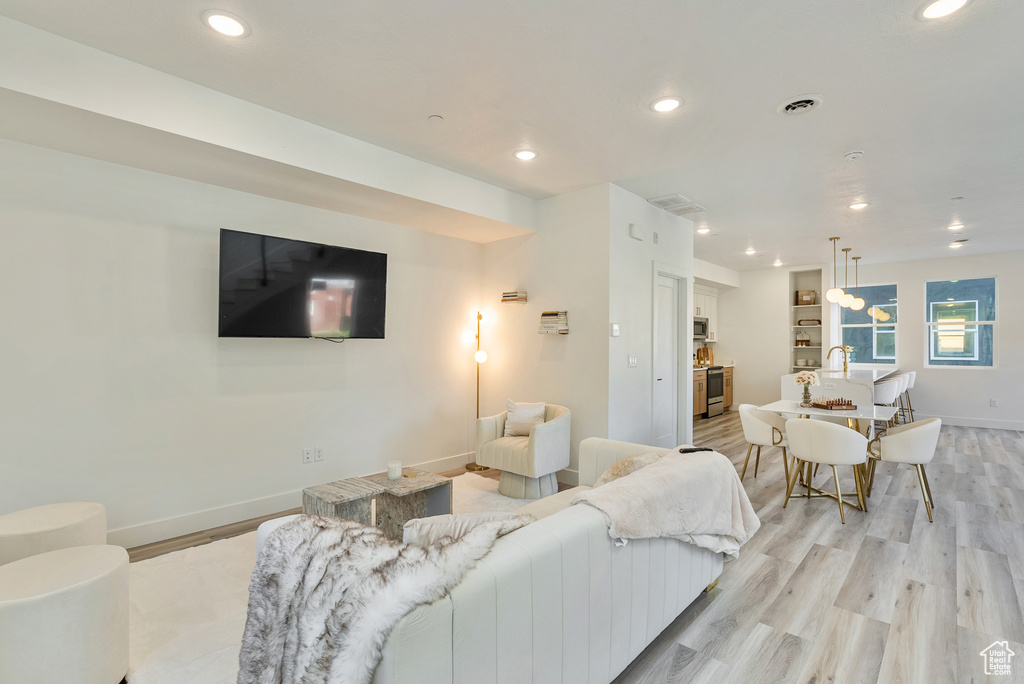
427	531
626	466
522	417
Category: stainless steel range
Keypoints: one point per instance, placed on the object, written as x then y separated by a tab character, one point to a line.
716	391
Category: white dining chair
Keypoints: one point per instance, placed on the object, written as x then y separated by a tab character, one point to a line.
818	441
762	429
885	394
908	408
913	444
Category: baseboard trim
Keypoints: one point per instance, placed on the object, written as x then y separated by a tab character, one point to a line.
168	528
960	421
569	477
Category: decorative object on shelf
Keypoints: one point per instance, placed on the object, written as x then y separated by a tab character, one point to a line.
834	405
554	323
806	378
803	339
806	297
835	293
857	303
516	296
846	301
394	470
480	356
807	322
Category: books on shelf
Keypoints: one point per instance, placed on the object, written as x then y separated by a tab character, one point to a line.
516	296
554	323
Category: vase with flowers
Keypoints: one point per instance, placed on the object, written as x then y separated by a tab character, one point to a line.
806	378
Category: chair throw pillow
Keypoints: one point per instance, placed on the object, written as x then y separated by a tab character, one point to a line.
432	530
626	466
522	417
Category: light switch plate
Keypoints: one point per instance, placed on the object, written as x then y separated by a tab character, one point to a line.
615	329
631	361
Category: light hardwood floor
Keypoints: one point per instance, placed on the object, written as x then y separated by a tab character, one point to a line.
887	597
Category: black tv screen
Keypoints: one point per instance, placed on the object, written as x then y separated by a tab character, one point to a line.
273	287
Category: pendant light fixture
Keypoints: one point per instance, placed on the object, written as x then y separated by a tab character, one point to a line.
857	303
847	299
836	293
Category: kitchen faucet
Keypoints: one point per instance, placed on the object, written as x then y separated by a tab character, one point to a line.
846	364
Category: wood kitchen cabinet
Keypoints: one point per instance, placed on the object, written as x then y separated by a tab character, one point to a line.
700	392
726	387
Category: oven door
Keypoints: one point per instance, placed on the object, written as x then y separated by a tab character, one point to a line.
716	392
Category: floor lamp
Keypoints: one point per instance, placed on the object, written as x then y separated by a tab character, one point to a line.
480	357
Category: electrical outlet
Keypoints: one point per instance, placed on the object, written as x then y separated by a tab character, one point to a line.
993	403
829	385
319	454
307	455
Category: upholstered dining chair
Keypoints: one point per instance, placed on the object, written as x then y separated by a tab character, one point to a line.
762	429
885	394
818	441
914	444
906	408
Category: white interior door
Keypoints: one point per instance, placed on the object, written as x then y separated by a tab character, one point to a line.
665	362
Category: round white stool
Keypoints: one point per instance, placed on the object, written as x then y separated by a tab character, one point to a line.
264	530
64	616
47	528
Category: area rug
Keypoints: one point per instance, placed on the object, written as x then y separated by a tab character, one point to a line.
188	607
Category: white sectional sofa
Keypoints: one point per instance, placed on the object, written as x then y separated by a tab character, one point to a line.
555	601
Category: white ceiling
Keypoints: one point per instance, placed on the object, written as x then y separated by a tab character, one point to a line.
937	107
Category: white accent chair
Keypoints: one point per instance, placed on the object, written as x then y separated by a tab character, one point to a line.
885	393
527	464
37	530
64	616
818	441
913	444
762	429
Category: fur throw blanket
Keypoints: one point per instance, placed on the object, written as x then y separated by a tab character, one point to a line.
326	593
696	498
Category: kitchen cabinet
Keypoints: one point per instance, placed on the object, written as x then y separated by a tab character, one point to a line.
705	305
700	391
726	387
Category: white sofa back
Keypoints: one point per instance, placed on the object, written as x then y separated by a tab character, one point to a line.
555	601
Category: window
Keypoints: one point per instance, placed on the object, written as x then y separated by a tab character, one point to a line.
872	330
961	316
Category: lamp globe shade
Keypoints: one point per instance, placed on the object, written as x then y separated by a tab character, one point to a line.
846	300
857	304
834	295
480	356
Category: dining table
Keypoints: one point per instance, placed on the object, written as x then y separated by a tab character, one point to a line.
853	417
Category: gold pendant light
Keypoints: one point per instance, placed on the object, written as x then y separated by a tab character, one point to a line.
836	293
857	303
847	299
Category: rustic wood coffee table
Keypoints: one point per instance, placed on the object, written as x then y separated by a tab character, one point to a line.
376	501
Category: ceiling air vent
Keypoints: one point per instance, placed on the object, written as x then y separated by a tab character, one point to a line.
677	204
799	104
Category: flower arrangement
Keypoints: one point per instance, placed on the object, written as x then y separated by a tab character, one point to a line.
806	378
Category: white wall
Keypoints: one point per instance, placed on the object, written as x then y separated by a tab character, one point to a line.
960	396
116	388
631	305
756	333
564	267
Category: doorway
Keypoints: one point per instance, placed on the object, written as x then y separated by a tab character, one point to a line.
669	355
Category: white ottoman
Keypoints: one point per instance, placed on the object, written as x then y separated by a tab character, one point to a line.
264	530
46	528
64	617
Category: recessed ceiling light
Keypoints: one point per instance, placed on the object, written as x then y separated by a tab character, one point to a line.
956	227
525	155
750	251
778	262
666	104
942	8
858	205
225	23
957	245
703	230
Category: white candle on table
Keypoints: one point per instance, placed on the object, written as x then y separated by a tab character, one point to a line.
394	470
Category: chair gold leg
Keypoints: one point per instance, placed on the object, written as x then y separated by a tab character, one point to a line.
927	486
746	461
785	463
924	493
910	406
792	480
859	484
757	460
839	495
807	479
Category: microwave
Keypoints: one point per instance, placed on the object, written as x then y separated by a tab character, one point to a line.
700	328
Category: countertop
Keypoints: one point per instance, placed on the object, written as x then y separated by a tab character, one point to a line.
721	365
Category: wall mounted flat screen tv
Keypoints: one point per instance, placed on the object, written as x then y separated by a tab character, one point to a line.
273	287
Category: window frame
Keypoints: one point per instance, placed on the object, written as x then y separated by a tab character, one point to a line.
931	326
